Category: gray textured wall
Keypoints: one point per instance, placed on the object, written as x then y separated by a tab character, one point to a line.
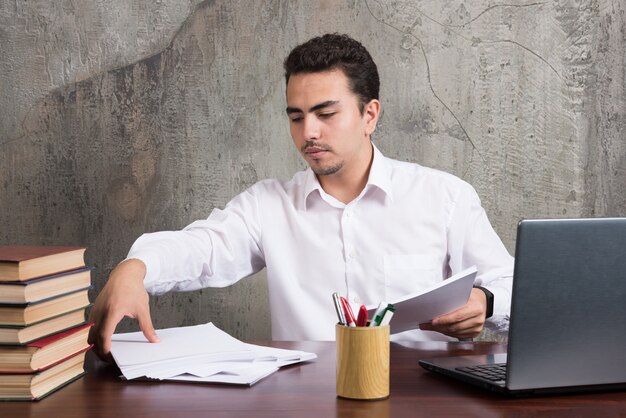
124	117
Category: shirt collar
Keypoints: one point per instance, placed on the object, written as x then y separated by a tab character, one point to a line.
380	177
380	173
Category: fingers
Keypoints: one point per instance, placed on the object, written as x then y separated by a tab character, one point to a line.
145	324
100	334
461	316
465	329
465	322
105	331
122	296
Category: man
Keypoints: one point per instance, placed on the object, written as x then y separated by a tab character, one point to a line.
356	222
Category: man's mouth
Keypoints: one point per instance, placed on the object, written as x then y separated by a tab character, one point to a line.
314	151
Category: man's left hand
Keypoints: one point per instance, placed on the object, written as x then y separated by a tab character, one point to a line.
465	322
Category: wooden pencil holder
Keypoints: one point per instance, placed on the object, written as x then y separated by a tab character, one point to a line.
362	362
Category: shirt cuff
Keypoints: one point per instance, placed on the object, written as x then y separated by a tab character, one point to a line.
153	268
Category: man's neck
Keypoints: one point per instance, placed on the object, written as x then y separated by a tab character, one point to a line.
349	182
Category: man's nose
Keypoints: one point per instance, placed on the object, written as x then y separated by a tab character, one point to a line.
311	128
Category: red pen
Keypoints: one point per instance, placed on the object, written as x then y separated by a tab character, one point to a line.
348	310
361	320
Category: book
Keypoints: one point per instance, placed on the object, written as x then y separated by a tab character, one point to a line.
440	299
32	313
18	263
13	335
42	288
44	353
38	385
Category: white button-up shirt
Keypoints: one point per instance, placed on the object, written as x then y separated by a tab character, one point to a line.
410	228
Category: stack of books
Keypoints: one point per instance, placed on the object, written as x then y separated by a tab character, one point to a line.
43	334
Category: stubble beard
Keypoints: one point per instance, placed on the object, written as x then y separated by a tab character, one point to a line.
319	169
327	171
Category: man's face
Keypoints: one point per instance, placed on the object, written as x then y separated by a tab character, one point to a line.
326	124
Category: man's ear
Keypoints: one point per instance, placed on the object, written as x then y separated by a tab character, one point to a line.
371	111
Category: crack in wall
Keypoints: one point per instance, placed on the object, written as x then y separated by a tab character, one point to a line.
545	61
475	40
430	84
488	9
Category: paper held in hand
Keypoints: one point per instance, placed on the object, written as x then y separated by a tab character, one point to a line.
440	299
201	353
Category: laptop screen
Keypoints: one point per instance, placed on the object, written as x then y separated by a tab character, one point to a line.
568	314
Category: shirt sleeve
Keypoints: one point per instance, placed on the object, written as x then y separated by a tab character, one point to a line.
215	252
473	241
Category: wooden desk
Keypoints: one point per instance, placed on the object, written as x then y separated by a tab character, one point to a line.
308	390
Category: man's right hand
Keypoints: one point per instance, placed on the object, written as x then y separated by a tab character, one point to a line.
123	295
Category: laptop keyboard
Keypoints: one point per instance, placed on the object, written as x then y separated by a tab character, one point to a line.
493	372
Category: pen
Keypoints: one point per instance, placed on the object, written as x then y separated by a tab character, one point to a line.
348	311
361	319
339	309
387	315
378	314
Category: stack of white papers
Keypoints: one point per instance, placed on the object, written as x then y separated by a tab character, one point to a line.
201	353
440	299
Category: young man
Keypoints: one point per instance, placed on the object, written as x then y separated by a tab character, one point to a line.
356	222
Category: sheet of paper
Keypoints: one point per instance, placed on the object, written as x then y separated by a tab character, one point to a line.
181	365
440	299
133	348
203	366
263	353
249	377
210	369
202	353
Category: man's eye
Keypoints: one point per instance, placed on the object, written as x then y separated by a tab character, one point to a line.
296	119
326	115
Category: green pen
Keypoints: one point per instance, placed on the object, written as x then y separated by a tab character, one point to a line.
387	315
378	314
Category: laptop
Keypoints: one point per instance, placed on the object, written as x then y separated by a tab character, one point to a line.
567	330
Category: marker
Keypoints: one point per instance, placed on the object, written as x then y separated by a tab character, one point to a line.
378	314
348	311
387	315
361	320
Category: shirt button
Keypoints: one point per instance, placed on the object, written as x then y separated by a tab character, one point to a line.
348	214
352	254
356	299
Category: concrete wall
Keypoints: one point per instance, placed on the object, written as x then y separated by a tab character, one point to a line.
120	117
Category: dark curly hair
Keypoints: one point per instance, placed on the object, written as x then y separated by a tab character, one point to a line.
335	51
